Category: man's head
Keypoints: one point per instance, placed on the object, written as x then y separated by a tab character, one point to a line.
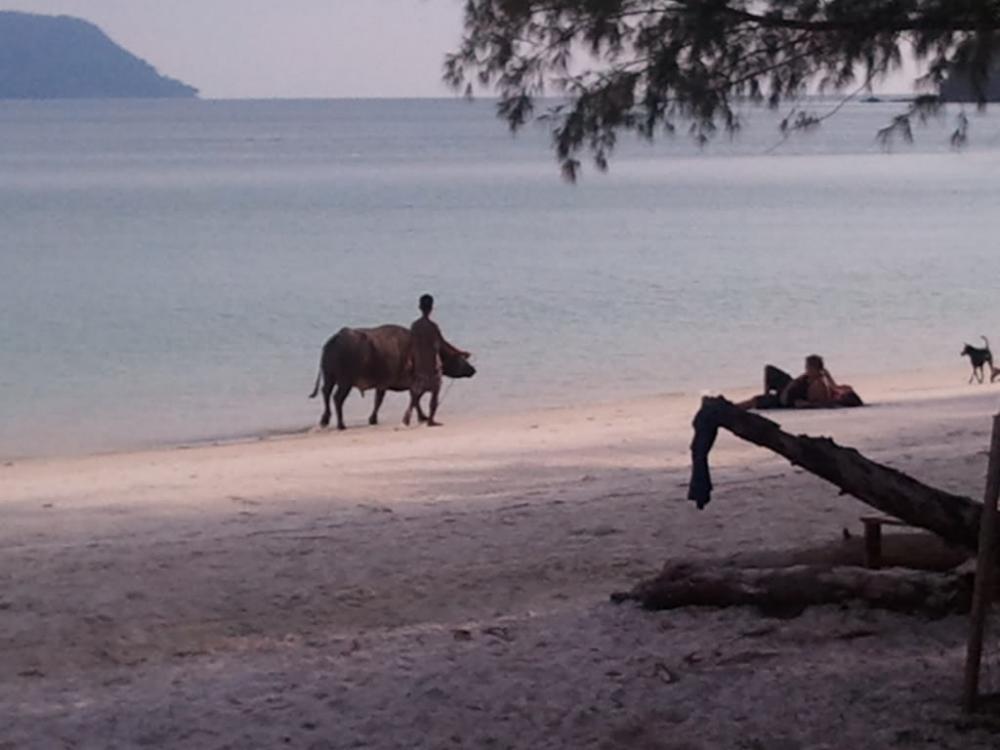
426	304
814	365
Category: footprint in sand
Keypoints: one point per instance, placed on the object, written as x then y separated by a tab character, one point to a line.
599	531
244	501
375	508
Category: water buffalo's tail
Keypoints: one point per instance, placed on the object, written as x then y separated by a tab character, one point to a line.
319	382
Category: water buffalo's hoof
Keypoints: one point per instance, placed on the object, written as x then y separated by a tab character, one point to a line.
341	427
325	422
373	421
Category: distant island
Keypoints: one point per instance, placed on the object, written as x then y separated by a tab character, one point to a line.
61	57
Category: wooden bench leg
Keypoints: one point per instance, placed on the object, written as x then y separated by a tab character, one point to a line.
873	545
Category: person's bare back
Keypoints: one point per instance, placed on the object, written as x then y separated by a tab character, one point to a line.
426	347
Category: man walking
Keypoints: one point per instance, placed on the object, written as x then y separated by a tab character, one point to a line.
428	343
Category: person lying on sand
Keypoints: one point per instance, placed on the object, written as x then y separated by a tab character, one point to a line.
813	389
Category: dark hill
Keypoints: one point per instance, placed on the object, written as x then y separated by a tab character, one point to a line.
59	57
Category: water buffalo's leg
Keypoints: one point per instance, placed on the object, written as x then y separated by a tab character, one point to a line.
421	417
327	390
379	398
338	401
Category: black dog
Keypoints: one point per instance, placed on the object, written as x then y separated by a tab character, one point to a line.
979	358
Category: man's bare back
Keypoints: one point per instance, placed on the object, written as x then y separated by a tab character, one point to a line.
427	341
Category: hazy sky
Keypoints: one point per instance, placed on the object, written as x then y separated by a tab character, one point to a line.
281	48
290	48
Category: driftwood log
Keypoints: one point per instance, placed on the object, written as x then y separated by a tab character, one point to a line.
927	576
789	591
954	518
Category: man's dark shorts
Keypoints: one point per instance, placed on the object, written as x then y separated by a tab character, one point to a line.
429	383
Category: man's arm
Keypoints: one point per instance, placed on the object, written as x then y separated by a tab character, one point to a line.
447	347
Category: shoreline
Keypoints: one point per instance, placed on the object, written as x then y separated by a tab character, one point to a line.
875	389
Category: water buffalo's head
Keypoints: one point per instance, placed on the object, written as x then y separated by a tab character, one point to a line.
456	367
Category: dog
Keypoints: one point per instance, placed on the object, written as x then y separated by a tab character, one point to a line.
979	357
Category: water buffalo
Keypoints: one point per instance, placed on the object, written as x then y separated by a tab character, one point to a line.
372	359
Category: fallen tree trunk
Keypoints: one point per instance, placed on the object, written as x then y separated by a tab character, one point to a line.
952	517
787	591
787	584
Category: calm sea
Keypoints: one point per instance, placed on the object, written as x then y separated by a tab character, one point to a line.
169	271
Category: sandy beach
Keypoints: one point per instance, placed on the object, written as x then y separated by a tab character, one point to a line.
392	588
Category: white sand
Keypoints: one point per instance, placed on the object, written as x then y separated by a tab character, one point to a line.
389	588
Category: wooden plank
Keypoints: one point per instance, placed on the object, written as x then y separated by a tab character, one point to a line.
882	521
